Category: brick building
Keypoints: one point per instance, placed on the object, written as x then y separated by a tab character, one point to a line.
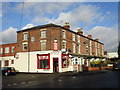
52	48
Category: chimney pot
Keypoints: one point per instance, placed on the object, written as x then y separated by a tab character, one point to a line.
89	36
80	31
66	25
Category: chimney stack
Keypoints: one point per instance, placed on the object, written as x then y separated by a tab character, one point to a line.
66	25
89	36
96	39
80	31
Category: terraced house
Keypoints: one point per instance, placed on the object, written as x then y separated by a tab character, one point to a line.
51	48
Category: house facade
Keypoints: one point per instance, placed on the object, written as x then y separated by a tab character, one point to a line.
52	48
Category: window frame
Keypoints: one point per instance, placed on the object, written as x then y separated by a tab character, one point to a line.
63	34
41	42
25	35
12	49
23	48
7	50
38	60
43	35
66	58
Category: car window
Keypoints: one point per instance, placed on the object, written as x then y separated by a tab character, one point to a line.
12	68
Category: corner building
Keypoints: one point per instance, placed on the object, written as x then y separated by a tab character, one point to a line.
52	48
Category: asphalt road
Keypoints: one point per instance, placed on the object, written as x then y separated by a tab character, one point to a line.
106	79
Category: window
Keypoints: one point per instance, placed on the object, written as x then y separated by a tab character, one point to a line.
63	33
73	37
7	49
74	50
86	49
78	39
79	48
43	45
43	33
12	61
25	36
6	63
1	50
76	61
32	38
64	61
64	44
12	50
43	61
25	46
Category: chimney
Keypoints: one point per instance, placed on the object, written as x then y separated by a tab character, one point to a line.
96	39
89	36
66	25
80	31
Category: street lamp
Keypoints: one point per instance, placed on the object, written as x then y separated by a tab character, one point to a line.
55	40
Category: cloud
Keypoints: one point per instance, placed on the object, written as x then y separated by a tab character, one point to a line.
109	36
28	26
8	36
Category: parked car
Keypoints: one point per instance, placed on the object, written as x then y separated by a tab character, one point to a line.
8	71
116	66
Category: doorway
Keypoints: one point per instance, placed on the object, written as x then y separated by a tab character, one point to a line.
55	65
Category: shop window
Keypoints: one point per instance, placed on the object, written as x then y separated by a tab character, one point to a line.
43	61
12	61
6	63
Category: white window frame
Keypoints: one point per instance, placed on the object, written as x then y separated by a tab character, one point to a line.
1	50
73	36
26	43
78	39
64	42
63	33
43	42
74	48
43	35
13	49
79	48
25	35
32	39
7	49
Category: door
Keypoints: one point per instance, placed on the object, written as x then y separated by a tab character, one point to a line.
55	65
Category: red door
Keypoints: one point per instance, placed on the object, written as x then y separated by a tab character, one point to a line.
55	65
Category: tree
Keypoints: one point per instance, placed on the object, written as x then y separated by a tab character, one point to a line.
119	50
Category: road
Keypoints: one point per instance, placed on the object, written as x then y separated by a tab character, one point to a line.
106	79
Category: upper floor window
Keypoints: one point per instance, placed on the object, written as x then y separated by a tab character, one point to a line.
1	50
25	36
64	44
32	38
73	37
43	33
74	50
78	39
63	33
43	45
25	46
12	50
7	49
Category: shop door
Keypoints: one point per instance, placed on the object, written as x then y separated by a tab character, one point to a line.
55	65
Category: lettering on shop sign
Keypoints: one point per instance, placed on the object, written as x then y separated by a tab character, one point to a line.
42	57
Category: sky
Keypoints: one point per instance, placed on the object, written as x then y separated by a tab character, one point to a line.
100	19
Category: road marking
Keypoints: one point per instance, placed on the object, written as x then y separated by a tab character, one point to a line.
9	85
15	84
23	83
29	82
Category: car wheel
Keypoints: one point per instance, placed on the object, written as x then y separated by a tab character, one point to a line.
6	74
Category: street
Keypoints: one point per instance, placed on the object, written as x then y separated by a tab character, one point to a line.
98	79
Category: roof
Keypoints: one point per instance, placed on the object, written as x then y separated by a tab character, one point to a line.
54	25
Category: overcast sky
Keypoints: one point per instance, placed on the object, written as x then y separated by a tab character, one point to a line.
100	19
